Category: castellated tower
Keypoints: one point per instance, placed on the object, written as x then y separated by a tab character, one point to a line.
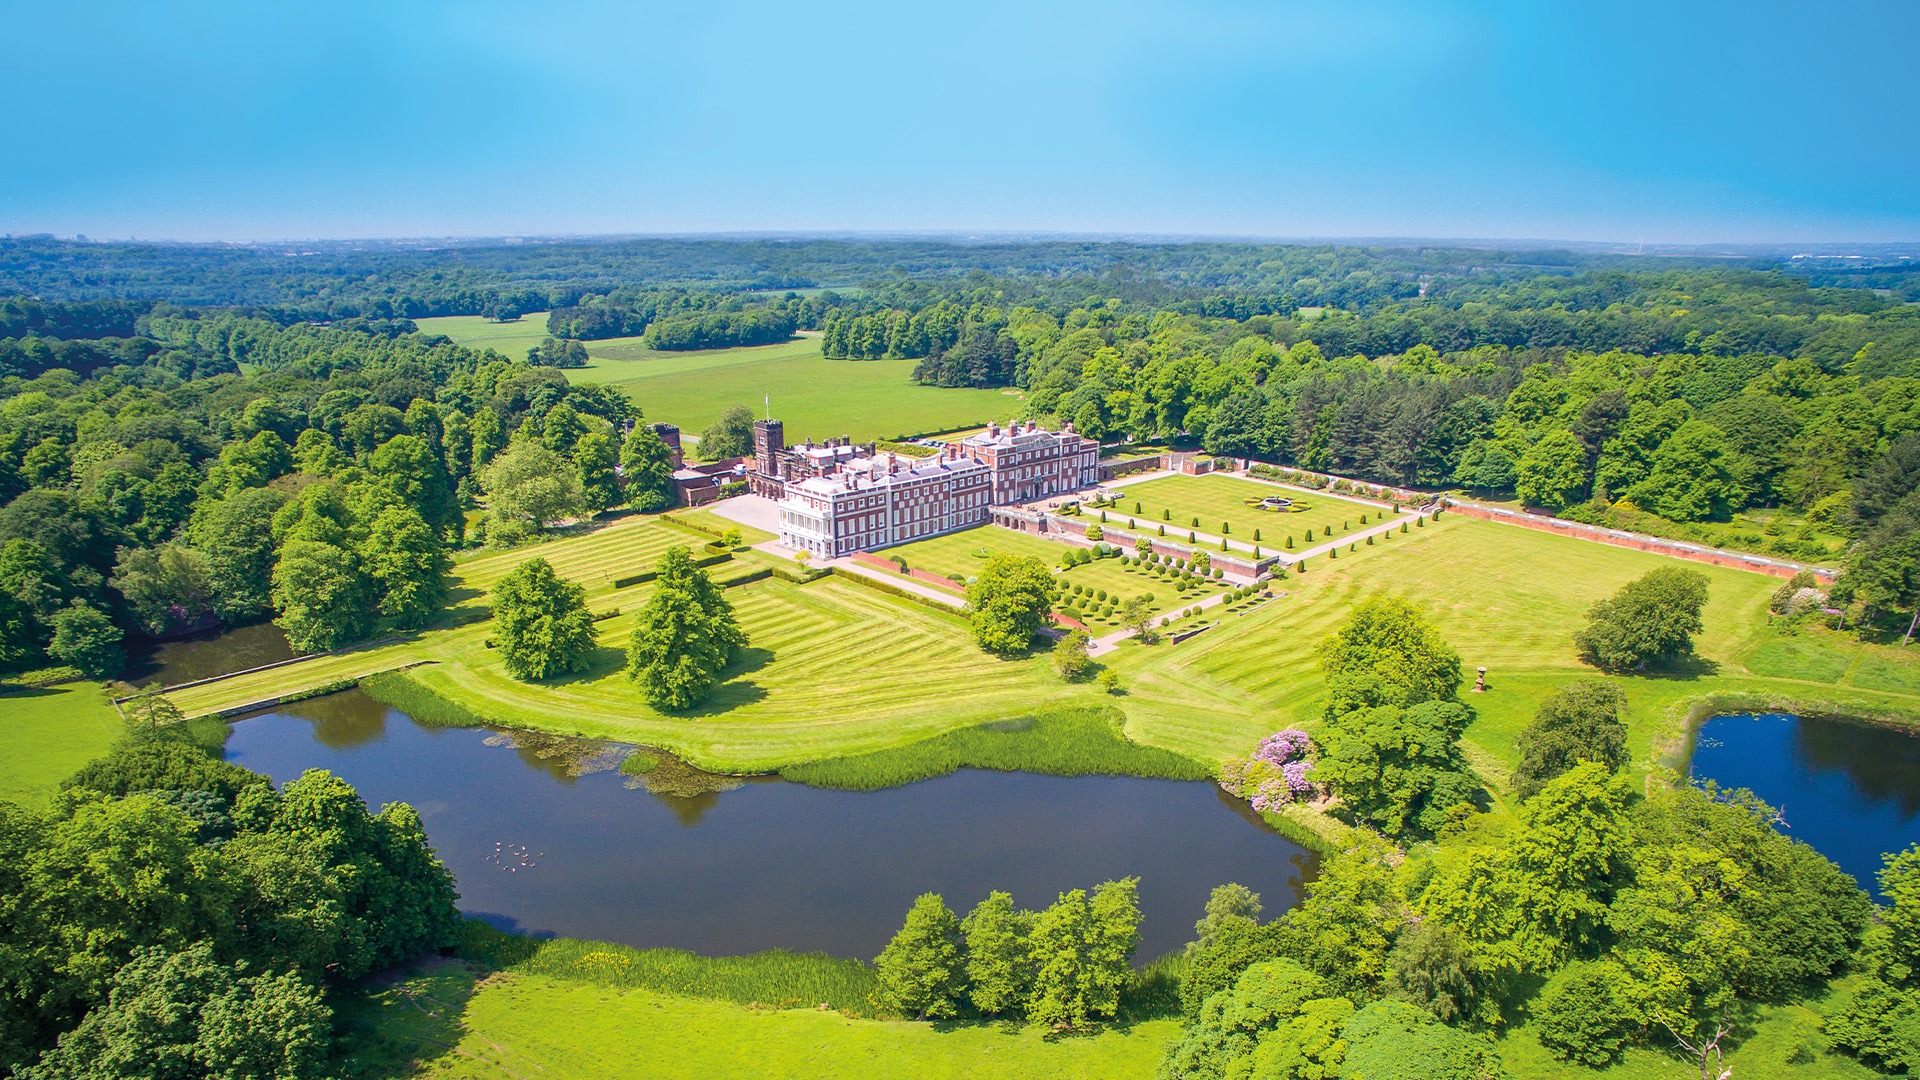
769	439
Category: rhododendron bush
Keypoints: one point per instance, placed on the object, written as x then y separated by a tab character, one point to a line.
1275	775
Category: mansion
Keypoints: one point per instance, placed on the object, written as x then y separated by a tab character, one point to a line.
839	499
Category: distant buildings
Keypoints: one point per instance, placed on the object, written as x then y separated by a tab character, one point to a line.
839	498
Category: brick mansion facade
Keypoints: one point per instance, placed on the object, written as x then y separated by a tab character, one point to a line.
836	499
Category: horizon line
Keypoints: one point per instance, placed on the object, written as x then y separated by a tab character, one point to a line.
1030	236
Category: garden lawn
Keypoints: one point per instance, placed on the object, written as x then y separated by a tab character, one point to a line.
838	668
595	559
513	1027
960	553
1217	499
815	397
48	733
717	526
1504	597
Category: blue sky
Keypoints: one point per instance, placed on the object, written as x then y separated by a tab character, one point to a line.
1618	121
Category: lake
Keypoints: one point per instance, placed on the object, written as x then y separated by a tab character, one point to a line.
546	836
202	656
1850	790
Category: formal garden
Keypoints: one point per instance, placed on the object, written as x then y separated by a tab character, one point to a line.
1233	503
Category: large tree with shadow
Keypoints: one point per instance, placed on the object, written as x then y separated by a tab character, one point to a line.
684	638
541	622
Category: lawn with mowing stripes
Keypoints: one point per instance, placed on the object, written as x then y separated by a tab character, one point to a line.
837	668
961	553
1504	597
595	560
1216	499
48	732
815	397
833	668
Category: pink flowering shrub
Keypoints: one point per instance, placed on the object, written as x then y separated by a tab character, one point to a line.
1275	775
1283	746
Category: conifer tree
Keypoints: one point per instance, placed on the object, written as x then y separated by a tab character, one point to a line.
685	636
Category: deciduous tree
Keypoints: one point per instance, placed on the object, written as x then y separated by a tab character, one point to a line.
1577	722
730	435
529	487
1399	770
541	622
647	469
1009	602
324	595
84	638
1651	618
1070	656
922	973
1387	653
999	956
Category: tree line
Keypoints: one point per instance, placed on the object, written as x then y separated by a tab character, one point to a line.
325	489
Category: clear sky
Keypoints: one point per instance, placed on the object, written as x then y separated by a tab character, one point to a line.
1621	120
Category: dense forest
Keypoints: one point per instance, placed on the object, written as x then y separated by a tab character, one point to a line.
158	490
175	915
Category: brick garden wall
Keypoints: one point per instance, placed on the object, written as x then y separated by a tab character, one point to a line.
1652	545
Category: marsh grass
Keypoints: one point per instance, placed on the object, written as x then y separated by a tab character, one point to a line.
423	705
1153	992
1059	741
776	978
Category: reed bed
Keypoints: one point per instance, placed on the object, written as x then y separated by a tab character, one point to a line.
1060	741
776	978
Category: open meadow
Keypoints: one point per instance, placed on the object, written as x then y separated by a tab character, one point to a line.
509	339
1216	499
512	1026
817	398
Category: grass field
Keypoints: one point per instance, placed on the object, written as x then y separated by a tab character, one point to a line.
961	553
837	669
514	1026
50	732
1216	499
817	398
1504	597
510	339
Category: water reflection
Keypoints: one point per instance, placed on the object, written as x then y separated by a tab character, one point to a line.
1850	790
767	863
1883	764
202	656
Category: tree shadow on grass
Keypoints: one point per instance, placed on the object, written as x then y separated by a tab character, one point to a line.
392	1023
1683	669
605	660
